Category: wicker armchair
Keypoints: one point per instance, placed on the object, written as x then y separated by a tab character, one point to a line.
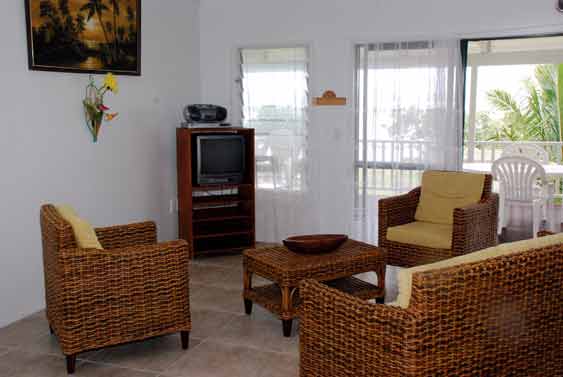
474	228
134	289
499	317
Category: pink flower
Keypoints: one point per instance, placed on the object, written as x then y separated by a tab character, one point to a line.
103	107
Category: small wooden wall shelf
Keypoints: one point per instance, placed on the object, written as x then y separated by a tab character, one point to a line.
329	98
215	219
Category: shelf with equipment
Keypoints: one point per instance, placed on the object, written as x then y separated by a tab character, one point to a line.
215	218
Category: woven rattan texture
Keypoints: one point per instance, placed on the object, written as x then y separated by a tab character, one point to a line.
133	289
269	296
500	317
474	228
287	268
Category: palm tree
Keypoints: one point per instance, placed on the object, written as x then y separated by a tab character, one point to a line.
80	23
131	19
96	8
116	11
539	114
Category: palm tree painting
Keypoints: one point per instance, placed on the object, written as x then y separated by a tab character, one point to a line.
91	36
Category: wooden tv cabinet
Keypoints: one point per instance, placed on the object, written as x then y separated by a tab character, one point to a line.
218	218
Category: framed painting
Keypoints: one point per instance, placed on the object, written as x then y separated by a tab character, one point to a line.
84	36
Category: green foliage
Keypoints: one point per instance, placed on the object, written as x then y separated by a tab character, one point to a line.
535	116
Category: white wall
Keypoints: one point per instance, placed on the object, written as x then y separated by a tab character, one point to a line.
46	154
331	28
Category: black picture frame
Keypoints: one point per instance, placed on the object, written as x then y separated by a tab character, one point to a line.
32	52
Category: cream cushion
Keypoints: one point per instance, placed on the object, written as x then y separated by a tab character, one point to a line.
443	191
437	236
83	232
404	276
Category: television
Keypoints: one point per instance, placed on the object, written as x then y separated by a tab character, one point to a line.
219	159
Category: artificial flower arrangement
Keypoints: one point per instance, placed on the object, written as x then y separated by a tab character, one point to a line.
94	107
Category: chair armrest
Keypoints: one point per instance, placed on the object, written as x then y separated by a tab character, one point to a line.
120	236
397	210
475	226
115	291
341	335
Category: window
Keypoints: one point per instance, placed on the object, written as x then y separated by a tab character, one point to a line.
512	96
275	98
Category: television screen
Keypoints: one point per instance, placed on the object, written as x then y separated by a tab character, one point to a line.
220	158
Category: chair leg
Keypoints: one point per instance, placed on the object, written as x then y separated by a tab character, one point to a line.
70	364
501	216
185	336
536	219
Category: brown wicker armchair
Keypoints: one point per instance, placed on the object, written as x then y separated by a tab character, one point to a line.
498	317
474	228
134	289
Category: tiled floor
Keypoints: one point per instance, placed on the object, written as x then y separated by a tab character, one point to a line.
224	342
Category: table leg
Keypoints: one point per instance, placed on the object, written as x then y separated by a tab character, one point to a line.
380	272
247	281
286	308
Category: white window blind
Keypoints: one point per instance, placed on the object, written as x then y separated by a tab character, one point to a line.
274	94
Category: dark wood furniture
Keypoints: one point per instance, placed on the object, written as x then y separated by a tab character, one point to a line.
497	317
287	269
132	290
474	228
217	218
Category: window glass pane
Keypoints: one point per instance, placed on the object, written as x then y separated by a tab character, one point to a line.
515	97
275	102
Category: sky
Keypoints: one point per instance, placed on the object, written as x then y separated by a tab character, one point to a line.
93	30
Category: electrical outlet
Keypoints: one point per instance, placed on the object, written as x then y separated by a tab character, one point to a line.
172	206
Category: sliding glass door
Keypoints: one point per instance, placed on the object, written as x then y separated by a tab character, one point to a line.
513	96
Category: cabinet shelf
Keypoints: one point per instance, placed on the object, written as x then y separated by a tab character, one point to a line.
221	235
221	218
215	218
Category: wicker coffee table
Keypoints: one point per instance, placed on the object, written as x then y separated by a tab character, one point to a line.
286	269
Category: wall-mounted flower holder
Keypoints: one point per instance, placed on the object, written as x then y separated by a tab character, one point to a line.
95	112
329	99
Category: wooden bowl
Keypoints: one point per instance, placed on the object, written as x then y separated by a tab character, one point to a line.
315	244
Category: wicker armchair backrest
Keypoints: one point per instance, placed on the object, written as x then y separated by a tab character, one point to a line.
490	307
55	231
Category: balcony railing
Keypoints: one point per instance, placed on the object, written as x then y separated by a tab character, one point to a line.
395	166
488	151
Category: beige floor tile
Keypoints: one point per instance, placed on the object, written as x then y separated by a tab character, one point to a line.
207	322
212	298
278	365
17	363
24	332
49	345
152	355
261	334
90	369
212	359
214	276
229	261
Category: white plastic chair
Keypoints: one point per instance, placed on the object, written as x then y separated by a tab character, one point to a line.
522	181
526	150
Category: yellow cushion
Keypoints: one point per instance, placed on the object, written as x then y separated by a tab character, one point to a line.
83	232
405	275
66	211
437	236
442	192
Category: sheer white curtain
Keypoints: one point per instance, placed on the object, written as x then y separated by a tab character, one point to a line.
409	119
275	101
